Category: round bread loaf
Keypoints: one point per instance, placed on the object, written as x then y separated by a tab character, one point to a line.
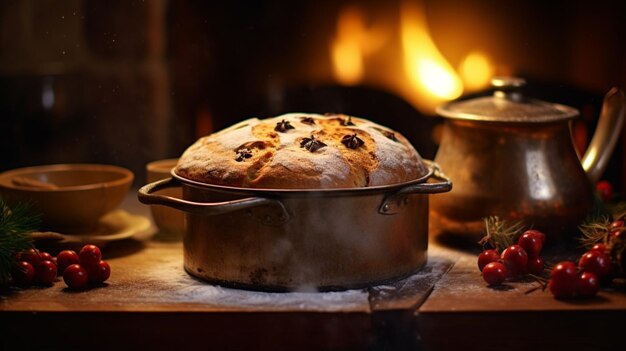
302	151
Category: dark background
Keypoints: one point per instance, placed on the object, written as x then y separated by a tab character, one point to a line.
128	82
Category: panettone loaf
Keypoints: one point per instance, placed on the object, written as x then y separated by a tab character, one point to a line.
302	151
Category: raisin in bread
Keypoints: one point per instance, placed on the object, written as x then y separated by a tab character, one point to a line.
302	151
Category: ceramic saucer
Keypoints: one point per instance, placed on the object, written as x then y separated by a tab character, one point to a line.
114	226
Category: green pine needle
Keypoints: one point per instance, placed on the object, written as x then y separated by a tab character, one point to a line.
500	234
594	230
15	224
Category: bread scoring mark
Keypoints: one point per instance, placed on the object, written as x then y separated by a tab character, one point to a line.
246	150
342	120
245	123
397	159
263	149
255	169
307	120
358	157
233	139
222	176
256	144
347	122
388	134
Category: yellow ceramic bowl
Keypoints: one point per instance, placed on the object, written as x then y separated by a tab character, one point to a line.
70	197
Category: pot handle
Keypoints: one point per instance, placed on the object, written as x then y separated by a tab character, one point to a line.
394	202
266	210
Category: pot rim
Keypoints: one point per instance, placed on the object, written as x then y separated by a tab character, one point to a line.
379	189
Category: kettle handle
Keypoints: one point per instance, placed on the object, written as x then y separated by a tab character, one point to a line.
607	133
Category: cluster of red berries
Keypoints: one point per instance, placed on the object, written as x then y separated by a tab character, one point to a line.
515	260
79	270
567	280
616	232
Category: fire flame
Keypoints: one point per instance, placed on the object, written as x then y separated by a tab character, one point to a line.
353	41
476	70
414	67
428	71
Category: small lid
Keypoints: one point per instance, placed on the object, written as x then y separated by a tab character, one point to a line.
507	105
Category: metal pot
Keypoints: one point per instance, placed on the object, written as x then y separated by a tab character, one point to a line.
329	239
513	157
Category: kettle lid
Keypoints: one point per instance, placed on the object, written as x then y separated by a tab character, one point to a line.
507	105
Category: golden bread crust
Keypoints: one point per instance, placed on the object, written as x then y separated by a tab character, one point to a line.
302	151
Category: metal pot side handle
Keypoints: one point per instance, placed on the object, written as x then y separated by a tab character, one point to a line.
393	203
268	211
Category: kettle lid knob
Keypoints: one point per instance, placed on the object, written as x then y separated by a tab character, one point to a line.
507	82
508	87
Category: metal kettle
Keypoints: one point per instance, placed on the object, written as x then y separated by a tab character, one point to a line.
513	157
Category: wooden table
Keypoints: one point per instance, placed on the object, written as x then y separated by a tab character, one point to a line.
150	302
462	311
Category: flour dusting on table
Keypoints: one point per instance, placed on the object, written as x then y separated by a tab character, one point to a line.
184	288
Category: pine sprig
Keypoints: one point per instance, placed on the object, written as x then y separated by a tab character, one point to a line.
604	229
594	231
499	233
15	224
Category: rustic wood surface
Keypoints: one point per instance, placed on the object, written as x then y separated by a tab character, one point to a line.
462	311
150	302
149	291
148	284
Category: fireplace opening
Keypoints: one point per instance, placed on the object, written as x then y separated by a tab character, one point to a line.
127	82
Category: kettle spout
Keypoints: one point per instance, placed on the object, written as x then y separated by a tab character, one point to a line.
607	133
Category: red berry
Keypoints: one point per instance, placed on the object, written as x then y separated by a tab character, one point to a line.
535	265
44	256
75	276
486	257
595	262
23	274
99	273
31	256
563	278
587	284
66	258
494	273
46	272
89	255
616	228
599	247
604	190
532	242
515	259
616	224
